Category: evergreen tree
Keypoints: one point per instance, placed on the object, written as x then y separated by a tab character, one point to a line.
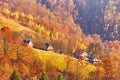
44	76
60	77
15	76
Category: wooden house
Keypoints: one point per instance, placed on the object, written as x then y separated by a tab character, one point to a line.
81	55
48	47
28	43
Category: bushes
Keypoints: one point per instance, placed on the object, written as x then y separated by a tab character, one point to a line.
60	77
44	76
15	76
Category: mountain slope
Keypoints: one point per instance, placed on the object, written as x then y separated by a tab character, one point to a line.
49	60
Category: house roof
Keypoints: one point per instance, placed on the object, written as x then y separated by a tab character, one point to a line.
84	54
50	48
96	60
27	41
47	44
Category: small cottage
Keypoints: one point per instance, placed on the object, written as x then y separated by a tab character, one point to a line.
28	43
81	55
48	47
84	55
93	59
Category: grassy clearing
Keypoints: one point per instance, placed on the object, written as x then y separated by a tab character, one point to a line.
56	60
60	61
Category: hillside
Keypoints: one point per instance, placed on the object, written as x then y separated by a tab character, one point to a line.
63	62
42	31
30	62
100	17
46	59
68	26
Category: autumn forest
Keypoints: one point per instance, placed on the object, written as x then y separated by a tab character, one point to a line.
59	40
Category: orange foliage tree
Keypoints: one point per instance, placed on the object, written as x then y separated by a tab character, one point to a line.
111	67
15	54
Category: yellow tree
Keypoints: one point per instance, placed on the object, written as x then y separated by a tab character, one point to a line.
6	12
15	15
